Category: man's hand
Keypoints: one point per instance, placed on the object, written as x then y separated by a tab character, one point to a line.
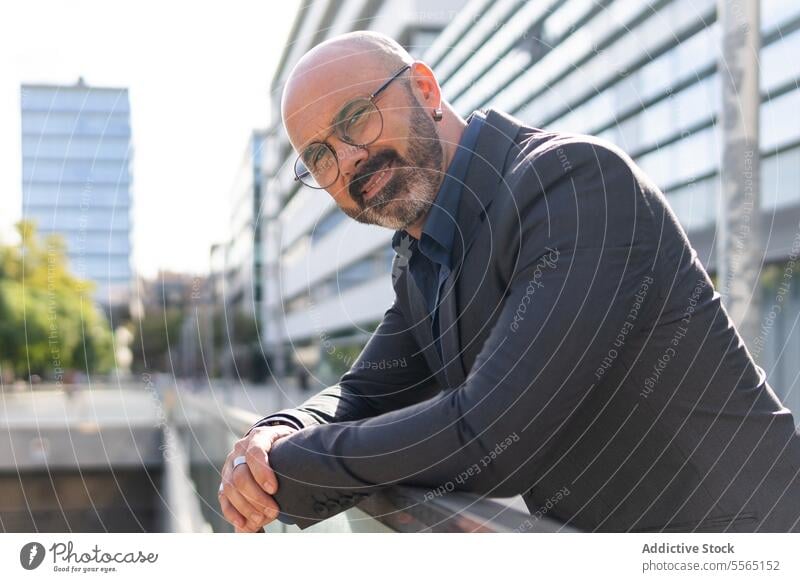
246	495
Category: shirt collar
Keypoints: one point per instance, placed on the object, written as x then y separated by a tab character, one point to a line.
439	227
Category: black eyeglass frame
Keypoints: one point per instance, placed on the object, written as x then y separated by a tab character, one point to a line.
371	98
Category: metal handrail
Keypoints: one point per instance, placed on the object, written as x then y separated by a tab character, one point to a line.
402	508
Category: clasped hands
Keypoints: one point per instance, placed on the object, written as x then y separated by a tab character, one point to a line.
245	494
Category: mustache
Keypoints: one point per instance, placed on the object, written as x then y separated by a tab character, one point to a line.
368	168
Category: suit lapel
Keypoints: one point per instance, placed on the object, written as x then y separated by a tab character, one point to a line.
422	318
485	173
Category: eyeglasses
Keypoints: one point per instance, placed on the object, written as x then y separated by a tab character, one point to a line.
359	123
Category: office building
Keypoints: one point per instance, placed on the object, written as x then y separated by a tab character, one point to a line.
76	178
242	286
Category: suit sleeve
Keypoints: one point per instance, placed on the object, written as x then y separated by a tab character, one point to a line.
390	373
585	249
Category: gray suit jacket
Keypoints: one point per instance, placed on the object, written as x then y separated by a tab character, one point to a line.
588	365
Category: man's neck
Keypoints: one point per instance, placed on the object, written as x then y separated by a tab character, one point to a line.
451	130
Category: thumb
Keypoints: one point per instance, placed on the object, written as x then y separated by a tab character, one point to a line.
258	463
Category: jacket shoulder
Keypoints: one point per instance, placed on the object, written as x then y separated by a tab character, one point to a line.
558	153
582	183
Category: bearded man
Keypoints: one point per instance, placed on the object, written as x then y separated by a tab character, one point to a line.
551	314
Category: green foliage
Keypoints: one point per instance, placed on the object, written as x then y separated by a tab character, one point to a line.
49	324
155	340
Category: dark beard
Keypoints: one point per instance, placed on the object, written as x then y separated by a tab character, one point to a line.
419	174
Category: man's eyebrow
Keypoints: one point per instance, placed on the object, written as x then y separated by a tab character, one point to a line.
331	125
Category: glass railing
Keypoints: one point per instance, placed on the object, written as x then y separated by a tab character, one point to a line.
205	428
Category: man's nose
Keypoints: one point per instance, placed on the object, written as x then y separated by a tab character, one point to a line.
350	156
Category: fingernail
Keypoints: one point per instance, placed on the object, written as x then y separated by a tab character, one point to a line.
267	486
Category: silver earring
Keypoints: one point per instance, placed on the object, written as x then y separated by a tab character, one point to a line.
437	114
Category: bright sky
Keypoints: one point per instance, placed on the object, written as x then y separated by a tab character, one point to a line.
198	74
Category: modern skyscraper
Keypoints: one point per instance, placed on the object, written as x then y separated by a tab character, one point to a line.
76	152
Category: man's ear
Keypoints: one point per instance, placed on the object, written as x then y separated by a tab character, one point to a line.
424	85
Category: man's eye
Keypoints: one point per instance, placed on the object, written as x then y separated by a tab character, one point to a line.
313	157
356	119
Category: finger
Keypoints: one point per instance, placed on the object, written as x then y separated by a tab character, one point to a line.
239	530
252	492
253	527
229	512
262	473
234	515
228	489
251	513
224	472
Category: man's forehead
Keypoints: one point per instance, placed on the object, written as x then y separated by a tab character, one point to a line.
313	114
314	98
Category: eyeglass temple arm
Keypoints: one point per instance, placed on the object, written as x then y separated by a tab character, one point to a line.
389	82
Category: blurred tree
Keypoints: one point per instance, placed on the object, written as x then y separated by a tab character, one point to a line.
155	339
245	329
49	323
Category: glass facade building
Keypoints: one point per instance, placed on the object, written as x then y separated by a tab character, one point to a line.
243	260
242	280
76	178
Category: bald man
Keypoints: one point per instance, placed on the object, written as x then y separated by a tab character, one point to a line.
552	329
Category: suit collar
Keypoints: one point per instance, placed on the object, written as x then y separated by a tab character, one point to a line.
485	172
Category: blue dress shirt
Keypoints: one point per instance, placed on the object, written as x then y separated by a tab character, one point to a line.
431	266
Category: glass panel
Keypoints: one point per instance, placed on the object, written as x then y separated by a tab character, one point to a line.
780	120
779	63
780	179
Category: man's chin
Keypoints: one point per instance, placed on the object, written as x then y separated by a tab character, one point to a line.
391	208
385	219
382	210
389	221
410	215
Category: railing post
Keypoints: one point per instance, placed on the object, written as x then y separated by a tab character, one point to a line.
739	243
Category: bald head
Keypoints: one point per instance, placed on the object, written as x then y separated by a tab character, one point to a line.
367	47
341	63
